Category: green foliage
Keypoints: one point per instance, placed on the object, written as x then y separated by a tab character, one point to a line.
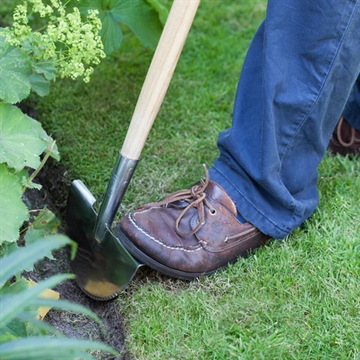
44	224
22	141
13	211
143	17
65	41
22	336
65	45
15	69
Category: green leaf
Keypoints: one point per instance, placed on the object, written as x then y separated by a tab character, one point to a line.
111	34
34	326
44	348
7	247
6	336
46	138
138	15
32	236
39	84
46	221
15	68
14	304
14	288
13	211
16	328
160	8
140	18
29	255
20	143
44	224
27	183
45	68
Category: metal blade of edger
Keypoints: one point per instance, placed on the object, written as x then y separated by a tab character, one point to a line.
102	269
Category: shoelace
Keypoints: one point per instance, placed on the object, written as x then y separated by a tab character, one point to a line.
353	140
196	198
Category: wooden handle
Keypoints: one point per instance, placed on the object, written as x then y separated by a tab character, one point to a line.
157	80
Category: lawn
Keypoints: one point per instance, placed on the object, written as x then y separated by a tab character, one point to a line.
294	299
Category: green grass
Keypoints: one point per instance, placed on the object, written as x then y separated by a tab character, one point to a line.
295	299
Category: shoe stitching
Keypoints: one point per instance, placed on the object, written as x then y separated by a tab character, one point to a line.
157	240
233	244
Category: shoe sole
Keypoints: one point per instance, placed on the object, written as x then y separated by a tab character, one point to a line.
150	262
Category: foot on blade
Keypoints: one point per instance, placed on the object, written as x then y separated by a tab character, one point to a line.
190	233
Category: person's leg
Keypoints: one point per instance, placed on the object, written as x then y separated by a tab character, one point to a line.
345	139
352	109
297	76
296	79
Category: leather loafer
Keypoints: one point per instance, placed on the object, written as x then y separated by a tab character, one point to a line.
190	233
345	139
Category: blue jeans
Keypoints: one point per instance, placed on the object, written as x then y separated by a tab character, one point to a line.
299	77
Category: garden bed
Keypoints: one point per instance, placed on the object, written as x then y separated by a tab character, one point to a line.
53	195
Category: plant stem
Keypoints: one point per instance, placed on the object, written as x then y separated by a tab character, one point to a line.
34	174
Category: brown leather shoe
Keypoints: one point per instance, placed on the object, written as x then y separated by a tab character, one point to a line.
190	233
345	139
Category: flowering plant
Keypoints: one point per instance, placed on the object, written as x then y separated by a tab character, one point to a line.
46	41
67	45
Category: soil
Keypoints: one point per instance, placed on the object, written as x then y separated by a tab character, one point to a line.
55	181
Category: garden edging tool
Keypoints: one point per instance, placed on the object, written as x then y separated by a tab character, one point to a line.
103	267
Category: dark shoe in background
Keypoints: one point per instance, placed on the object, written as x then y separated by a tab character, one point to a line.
345	139
190	233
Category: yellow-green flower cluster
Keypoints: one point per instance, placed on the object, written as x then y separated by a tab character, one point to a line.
20	27
73	45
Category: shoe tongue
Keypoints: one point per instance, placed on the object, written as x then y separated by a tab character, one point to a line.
216	192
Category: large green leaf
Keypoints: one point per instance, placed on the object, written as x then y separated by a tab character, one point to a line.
15	68
13	211
44	348
138	15
21	142
29	255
